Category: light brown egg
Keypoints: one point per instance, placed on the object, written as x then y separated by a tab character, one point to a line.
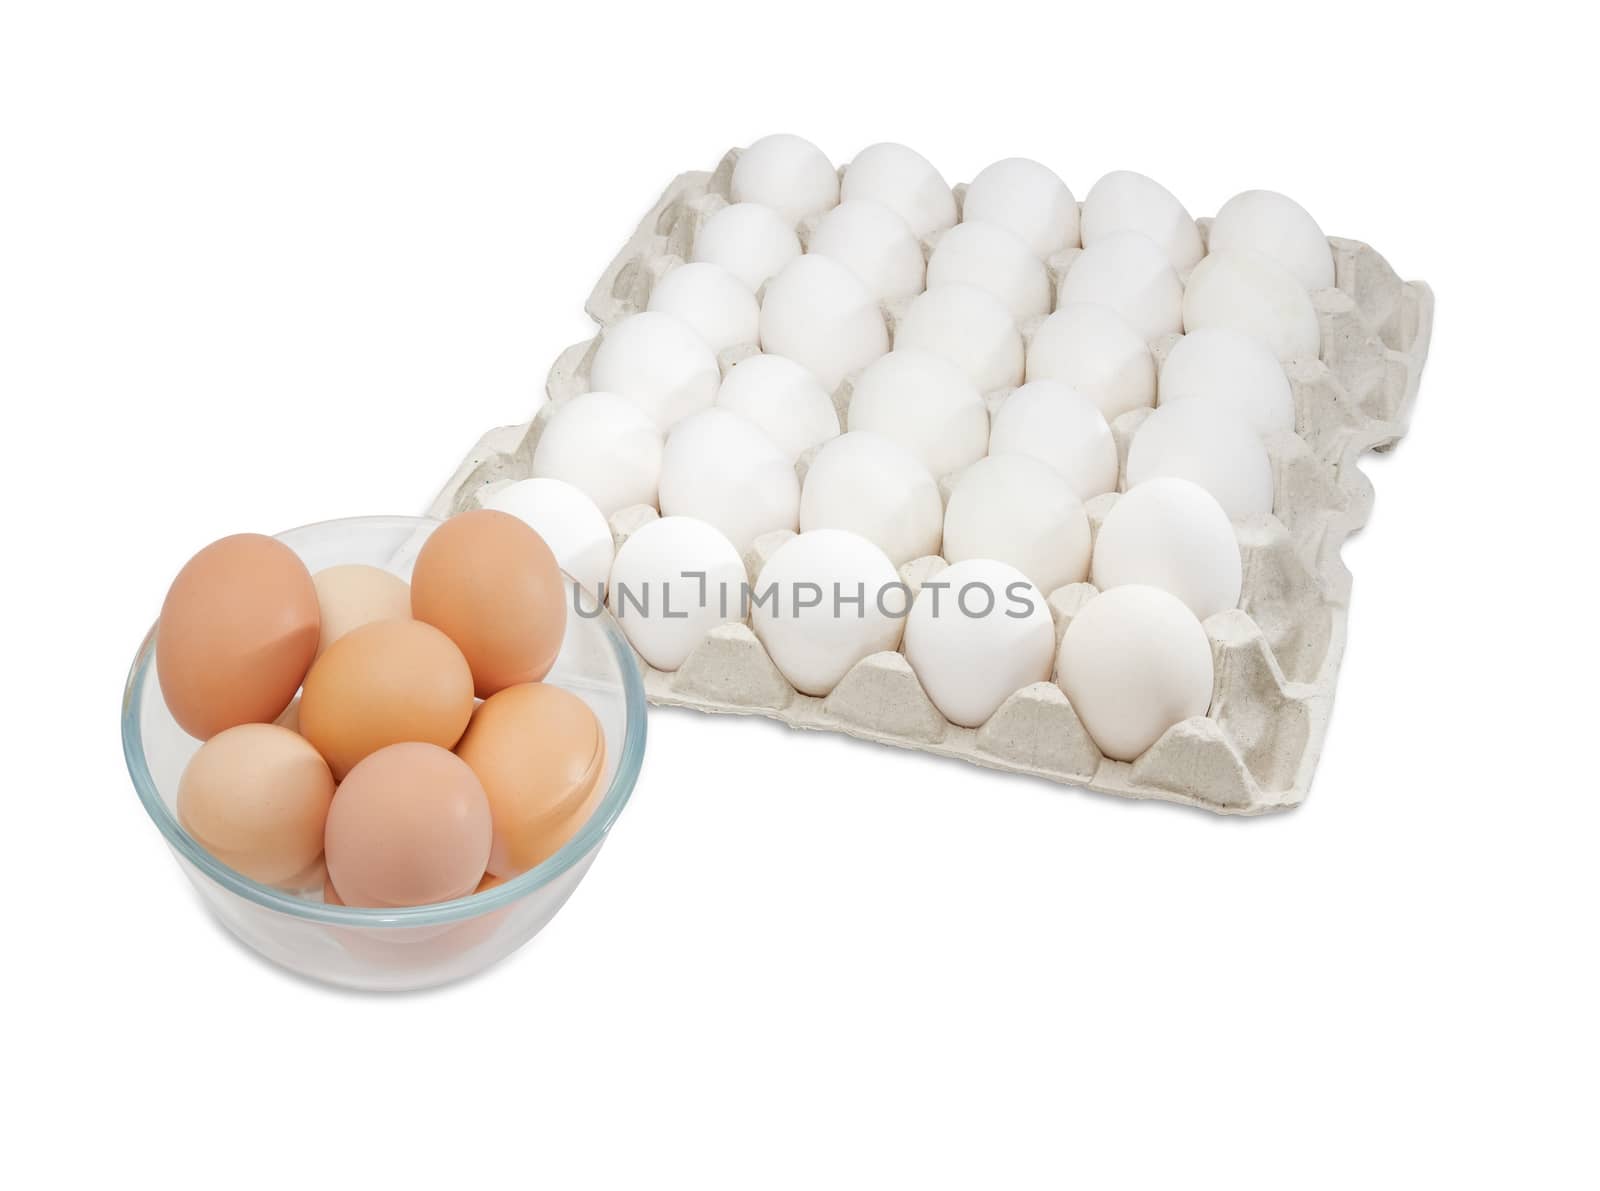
353	595
409	826
256	797
489	882
238	630
539	752
383	683
493	586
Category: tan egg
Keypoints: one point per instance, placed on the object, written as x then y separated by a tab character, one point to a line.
238	630
354	595
493	586
489	882
381	684
539	752
409	826
256	797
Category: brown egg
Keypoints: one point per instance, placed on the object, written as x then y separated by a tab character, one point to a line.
354	595
539	752
238	629
383	683
409	827
489	882
493	586
256	797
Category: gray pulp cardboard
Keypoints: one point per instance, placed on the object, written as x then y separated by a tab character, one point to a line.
1276	656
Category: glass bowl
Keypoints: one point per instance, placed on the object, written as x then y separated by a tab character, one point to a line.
419	946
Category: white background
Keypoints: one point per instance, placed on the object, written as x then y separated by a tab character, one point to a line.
271	264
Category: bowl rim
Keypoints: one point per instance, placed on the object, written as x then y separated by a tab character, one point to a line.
629	761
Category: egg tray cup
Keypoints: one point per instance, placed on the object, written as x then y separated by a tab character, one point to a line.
1276	656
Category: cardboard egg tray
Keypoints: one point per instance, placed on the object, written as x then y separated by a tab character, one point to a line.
1276	656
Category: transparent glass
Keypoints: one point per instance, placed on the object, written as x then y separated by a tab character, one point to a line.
420	946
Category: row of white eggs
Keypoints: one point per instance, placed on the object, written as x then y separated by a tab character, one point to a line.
823	308
793	178
1133	662
665	358
1021	476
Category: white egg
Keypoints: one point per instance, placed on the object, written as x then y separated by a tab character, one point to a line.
571	524
1134	661
720	468
993	259
821	315
1276	226
674	580
606	447
904	181
1209	445
1128	272
1226	366
657	362
784	399
1017	510
1093	349
1256	295
1060	427
1124	201
874	487
787	173
970	328
978	633
873	243
1172	534
1028	199
748	240
824	601
715	304
924	403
